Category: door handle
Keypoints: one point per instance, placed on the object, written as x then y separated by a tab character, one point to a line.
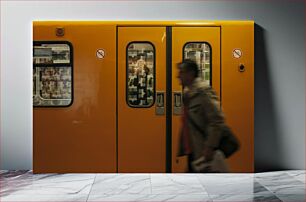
160	103
177	103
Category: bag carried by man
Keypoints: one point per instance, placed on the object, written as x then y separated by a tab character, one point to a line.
229	143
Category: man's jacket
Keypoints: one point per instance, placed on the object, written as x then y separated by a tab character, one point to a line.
204	109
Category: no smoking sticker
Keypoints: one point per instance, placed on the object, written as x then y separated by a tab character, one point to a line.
100	53
237	53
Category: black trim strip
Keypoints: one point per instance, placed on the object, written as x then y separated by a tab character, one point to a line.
168	99
220	40
117	170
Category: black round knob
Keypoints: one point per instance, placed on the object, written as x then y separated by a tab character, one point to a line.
241	68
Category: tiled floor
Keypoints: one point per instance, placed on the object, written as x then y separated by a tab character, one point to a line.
272	186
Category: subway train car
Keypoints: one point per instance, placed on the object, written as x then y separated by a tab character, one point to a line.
106	97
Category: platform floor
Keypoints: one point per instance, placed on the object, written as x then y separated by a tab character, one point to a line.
270	186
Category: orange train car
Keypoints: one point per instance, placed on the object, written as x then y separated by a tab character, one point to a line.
106	97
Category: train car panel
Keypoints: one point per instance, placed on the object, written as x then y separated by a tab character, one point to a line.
238	90
80	137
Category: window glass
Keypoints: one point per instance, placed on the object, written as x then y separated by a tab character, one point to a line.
200	52
52	75
51	53
140	74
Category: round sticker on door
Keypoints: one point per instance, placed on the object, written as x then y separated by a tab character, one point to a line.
100	53
237	53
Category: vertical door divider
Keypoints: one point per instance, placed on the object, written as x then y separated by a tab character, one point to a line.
168	99
117	169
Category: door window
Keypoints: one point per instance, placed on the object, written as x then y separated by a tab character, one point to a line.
52	74
200	52
140	74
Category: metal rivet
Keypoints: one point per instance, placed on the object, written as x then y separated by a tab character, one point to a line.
60	31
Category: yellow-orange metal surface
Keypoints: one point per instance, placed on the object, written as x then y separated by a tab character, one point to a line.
141	133
238	91
180	37
81	137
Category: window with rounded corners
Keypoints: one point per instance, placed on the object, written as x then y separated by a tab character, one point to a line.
140	65
52	74
200	52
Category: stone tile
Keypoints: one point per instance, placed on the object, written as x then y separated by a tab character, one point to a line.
49	184
266	198
282	185
292	197
298	175
151	197
245	198
272	175
176	184
121	184
220	184
42	198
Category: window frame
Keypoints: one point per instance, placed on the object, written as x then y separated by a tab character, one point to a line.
70	64
127	75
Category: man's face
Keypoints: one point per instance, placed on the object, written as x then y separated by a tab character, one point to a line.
184	76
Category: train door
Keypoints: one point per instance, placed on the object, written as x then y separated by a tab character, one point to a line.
142	91
141	137
201	44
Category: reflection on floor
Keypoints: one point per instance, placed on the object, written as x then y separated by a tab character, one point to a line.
271	186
